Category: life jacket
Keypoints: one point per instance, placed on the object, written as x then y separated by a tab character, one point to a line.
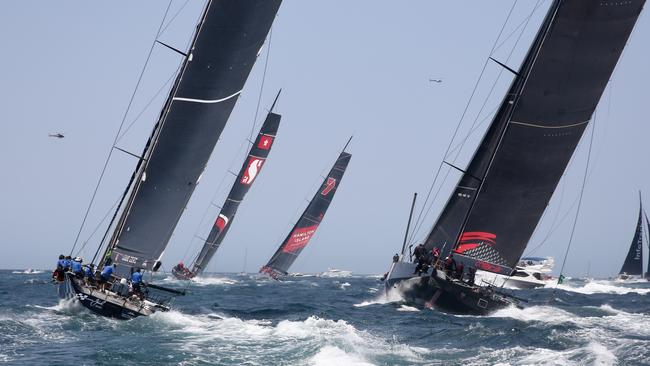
136	277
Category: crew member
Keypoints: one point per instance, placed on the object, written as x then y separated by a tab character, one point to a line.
471	274
106	275
435	256
396	258
421	258
450	265
459	270
89	274
58	272
136	283
67	263
76	267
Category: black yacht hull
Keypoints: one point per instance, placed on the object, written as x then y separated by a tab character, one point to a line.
436	290
102	303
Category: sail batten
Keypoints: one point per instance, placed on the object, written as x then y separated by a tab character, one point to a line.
535	132
204	94
306	226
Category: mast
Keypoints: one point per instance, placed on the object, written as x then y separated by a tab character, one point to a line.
408	224
633	264
248	173
309	221
212	76
514	172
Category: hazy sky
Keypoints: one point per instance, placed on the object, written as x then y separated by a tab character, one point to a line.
345	67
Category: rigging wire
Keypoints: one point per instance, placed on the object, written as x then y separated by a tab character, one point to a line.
108	212
128	108
474	127
582	190
462	117
259	97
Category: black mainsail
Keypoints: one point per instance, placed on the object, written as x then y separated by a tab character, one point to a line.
633	265
306	226
647	241
500	199
249	171
222	54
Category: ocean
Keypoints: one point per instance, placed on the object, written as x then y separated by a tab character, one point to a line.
229	319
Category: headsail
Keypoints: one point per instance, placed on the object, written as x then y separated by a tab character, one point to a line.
220	59
633	264
500	199
306	226
247	174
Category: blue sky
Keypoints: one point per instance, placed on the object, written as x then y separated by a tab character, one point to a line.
345	68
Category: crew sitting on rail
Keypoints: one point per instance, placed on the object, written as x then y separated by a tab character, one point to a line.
450	265
76	267
67	263
58	274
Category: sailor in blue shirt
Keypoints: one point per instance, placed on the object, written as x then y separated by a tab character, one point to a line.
67	262
107	272
76	267
136	282
61	262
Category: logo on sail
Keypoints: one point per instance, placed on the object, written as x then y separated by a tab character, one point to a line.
254	167
221	222
472	239
299	238
329	185
265	142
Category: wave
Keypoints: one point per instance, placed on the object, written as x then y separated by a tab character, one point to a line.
317	340
393	295
28	271
601	287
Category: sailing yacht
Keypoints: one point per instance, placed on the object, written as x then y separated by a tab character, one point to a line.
309	221
214	70
499	200
633	265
